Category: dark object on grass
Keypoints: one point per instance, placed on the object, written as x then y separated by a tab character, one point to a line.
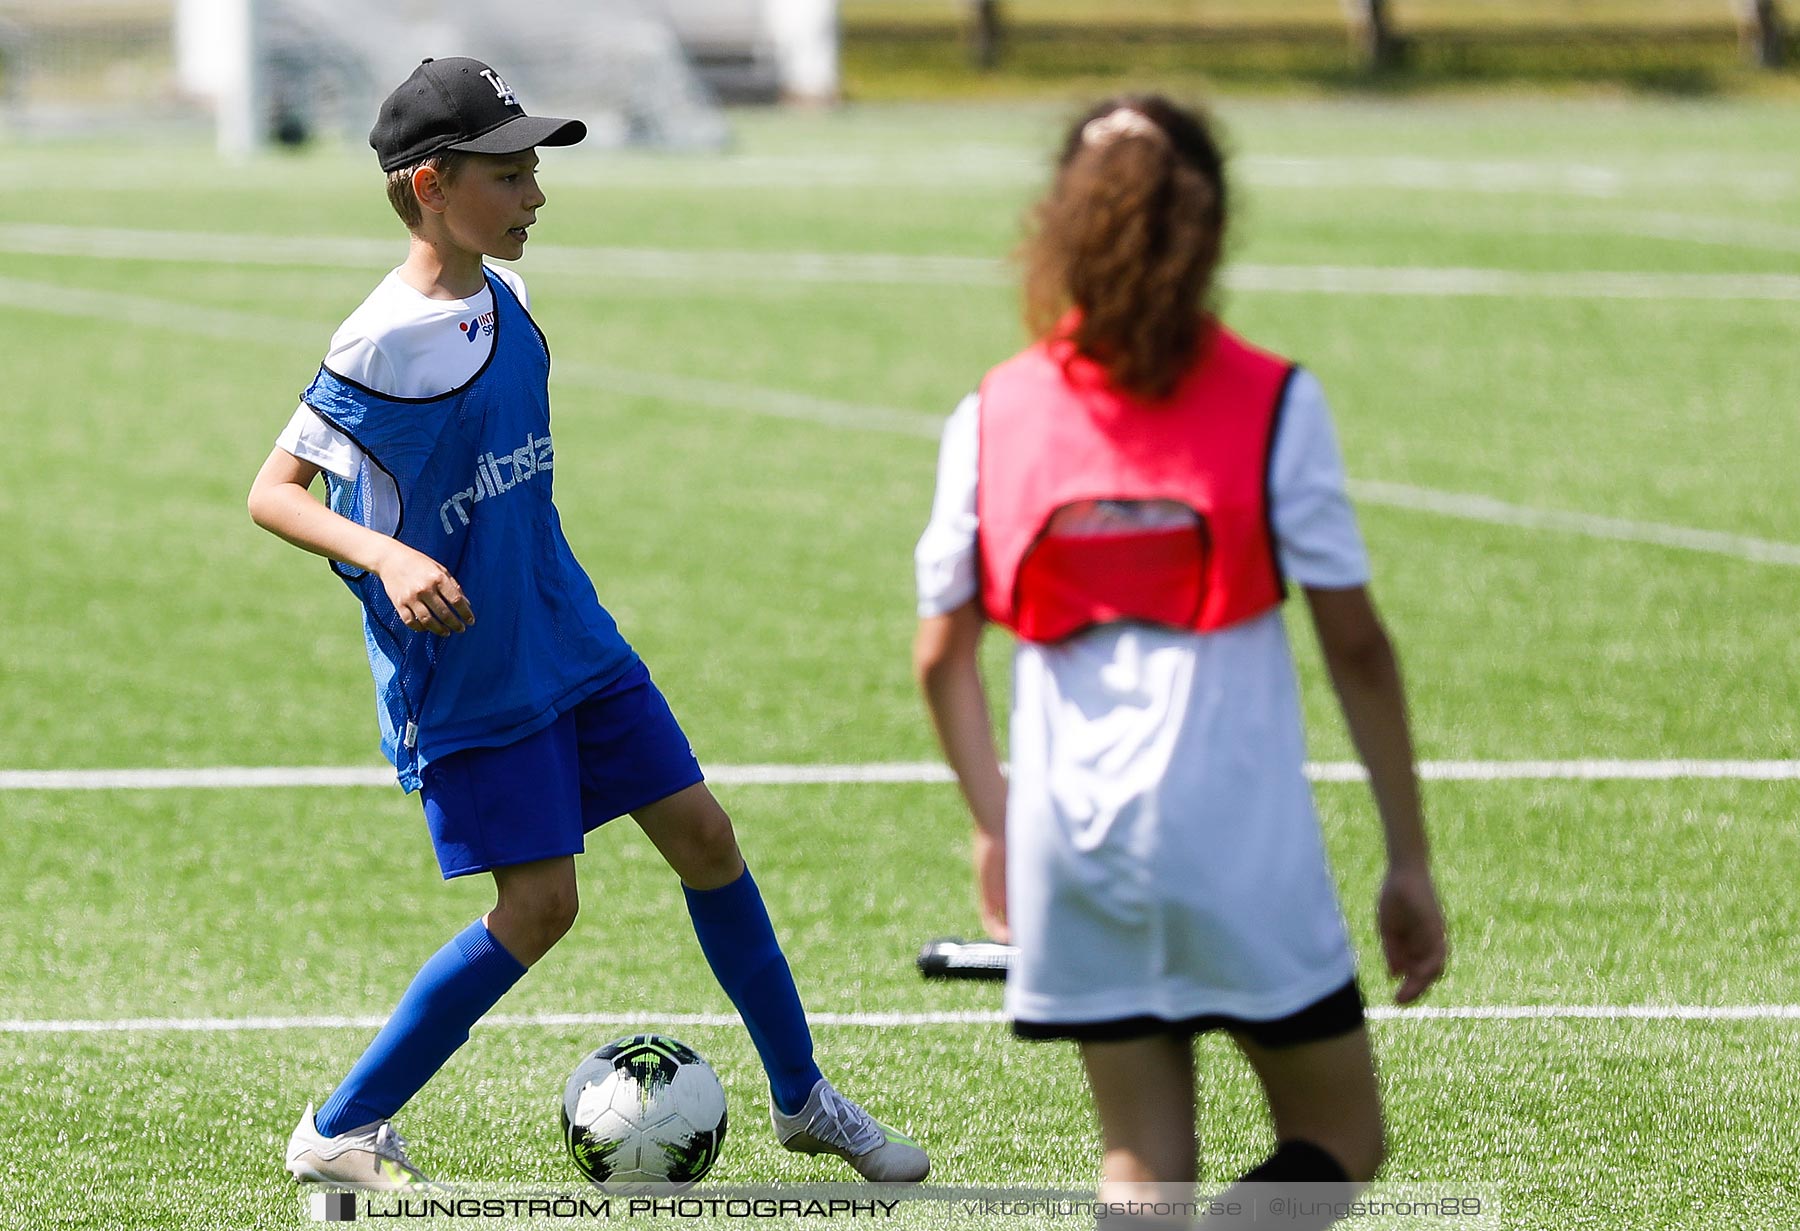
950	958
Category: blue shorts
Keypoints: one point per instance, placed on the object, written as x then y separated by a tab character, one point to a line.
619	750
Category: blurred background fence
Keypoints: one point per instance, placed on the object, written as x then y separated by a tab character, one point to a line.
648	70
1379	34
1677	46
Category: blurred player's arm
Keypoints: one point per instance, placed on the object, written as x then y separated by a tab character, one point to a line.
1366	676
948	668
422	590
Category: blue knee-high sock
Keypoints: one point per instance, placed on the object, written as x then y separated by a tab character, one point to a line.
450	993
739	942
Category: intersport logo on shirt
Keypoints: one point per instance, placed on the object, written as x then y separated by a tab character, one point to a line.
477	326
495	475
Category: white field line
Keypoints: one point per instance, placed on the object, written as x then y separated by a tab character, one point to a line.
1712	231
1380	1013
1453	282
752	399
120	308
362	253
964	167
1508	177
250	777
1499	512
149	312
142	310
887	269
958	169
1572	771
1703	230
1436	174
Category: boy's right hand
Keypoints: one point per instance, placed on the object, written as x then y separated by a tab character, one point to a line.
423	592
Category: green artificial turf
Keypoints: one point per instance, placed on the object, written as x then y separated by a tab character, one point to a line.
746	435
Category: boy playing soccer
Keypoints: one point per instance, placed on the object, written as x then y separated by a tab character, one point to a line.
507	697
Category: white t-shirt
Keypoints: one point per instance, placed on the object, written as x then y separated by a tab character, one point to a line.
1163	856
404	344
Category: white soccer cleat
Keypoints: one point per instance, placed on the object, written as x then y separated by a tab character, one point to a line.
832	1124
373	1156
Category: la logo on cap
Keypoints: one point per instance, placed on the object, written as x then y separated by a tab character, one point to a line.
502	91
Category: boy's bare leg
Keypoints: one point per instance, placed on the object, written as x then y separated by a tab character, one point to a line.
694	835
534	907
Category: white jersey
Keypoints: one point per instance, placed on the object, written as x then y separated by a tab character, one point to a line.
1163	855
402	344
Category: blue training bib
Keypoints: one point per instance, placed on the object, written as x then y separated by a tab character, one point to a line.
473	469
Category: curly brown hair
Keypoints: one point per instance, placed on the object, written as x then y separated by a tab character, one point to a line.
1130	236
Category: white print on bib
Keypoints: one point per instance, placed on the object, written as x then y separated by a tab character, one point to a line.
524	462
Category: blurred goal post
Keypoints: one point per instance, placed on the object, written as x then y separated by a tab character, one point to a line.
81	67
218	58
286	69
639	71
290	67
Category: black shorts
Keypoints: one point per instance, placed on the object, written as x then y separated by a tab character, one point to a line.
1332	1015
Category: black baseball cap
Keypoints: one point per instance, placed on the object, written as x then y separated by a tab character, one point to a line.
459	104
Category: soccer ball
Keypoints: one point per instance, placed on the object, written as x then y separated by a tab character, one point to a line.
644	1110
